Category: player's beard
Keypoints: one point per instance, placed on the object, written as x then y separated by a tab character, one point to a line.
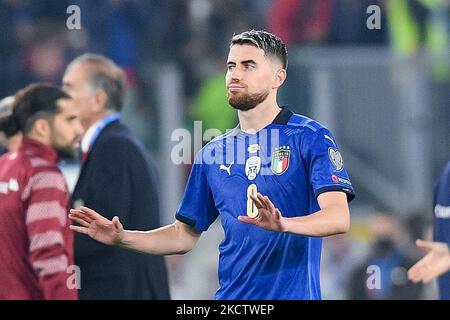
245	102
63	151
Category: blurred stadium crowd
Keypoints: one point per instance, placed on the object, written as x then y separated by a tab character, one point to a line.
36	45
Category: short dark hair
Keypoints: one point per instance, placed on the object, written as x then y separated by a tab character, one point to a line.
271	44
105	75
34	102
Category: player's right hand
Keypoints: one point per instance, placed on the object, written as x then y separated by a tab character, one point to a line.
435	263
96	226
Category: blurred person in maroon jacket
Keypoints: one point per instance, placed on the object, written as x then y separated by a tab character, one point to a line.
36	244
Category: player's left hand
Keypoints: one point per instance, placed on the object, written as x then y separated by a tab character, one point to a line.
268	217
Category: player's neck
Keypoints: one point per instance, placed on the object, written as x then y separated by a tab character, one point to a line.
262	115
45	140
96	118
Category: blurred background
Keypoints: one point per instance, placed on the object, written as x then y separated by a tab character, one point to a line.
384	93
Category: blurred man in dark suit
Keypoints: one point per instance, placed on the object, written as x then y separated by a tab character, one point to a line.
117	178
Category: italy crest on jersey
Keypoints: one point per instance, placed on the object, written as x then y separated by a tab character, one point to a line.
280	160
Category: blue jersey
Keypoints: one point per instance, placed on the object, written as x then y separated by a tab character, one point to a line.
442	224
292	161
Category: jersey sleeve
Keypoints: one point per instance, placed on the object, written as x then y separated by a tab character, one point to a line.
197	208
325	164
50	240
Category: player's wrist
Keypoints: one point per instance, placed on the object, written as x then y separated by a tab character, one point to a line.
123	240
285	225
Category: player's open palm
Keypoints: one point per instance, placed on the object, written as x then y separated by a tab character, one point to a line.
433	264
96	226
268	217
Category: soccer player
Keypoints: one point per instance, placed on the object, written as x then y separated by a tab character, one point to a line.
36	244
277	181
436	263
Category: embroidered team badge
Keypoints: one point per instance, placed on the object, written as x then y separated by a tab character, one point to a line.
252	167
280	160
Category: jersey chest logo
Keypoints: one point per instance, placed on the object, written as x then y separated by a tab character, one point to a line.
280	160
252	167
227	169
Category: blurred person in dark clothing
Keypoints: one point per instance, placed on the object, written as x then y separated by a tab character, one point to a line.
348	24
390	263
3	149
9	139
436	262
115	162
32	42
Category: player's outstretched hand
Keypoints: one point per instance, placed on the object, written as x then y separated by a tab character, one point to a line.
435	263
96	226
268	217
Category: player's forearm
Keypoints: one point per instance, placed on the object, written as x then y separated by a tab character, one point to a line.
166	240
326	222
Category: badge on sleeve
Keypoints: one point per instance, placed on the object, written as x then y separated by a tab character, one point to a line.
336	159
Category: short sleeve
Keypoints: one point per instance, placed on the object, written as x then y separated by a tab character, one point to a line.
324	163
197	207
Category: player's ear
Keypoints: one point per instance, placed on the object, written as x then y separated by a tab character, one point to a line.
101	99
280	77
41	127
41	130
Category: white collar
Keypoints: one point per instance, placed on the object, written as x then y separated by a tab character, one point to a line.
89	136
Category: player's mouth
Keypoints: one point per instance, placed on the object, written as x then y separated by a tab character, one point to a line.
235	88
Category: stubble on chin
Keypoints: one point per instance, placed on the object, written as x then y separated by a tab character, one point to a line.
245	102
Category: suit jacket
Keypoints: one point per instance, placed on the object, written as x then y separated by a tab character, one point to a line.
118	178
